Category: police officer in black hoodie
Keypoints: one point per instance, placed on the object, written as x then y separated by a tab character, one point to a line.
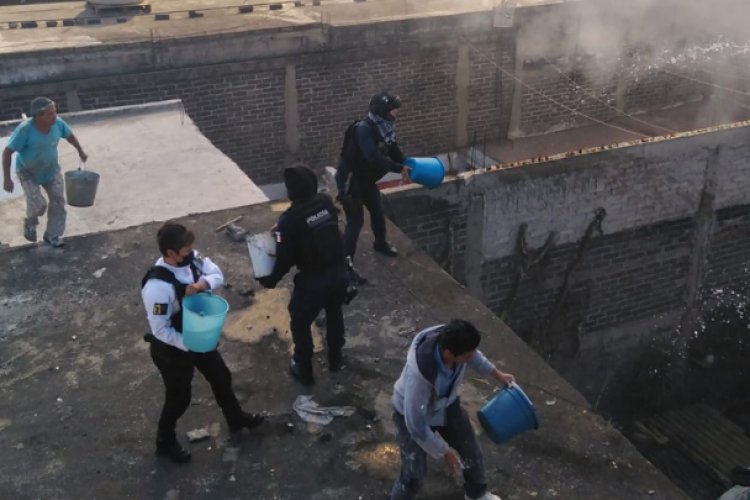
308	237
369	152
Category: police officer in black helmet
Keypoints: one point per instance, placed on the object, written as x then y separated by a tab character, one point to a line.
369	152
308	237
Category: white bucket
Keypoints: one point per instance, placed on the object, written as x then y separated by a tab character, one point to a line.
262	248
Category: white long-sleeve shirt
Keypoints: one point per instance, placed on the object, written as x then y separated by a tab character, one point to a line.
160	298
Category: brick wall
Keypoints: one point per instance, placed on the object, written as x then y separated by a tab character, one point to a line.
729	254
621	277
490	90
582	88
239	108
636	269
436	223
334	93
240	105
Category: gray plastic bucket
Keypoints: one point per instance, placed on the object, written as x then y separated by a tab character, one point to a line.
80	187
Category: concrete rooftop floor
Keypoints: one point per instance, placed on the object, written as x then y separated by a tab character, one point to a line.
137	150
80	396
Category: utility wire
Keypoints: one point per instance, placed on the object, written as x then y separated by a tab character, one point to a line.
602	101
545	96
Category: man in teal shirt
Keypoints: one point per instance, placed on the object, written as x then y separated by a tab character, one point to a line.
35	143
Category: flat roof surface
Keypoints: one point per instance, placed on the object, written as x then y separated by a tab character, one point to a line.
220	16
154	165
81	396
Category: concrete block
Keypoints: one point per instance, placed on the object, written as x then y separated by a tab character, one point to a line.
245	9
28	24
161	17
51	24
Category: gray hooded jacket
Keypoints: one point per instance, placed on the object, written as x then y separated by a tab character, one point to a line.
415	394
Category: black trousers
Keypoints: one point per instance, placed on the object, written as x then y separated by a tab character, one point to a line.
314	291
367	196
176	368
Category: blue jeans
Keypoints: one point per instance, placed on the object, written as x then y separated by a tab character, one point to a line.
459	435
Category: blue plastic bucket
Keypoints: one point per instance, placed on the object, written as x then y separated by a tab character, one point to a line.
509	413
203	317
428	172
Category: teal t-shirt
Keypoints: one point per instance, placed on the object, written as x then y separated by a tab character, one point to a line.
37	152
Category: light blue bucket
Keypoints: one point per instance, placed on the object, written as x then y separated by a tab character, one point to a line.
203	317
428	172
509	413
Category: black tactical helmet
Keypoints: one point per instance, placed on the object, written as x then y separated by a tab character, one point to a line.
383	103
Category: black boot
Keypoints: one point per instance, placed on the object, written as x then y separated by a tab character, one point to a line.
169	447
303	375
335	361
385	248
246	421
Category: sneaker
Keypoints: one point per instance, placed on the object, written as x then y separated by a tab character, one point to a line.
487	496
55	242
385	248
247	421
172	450
29	232
304	377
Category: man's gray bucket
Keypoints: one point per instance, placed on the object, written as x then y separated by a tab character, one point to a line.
80	187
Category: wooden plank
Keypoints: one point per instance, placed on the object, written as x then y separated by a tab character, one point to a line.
706	437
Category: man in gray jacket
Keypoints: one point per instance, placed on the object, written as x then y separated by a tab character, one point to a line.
428	414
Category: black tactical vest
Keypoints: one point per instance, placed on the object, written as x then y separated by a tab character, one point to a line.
164	274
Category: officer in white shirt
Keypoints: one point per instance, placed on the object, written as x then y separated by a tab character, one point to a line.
181	272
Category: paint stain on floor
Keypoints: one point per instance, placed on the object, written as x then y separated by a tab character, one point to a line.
267	315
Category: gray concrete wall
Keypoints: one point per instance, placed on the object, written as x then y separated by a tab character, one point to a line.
674	220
